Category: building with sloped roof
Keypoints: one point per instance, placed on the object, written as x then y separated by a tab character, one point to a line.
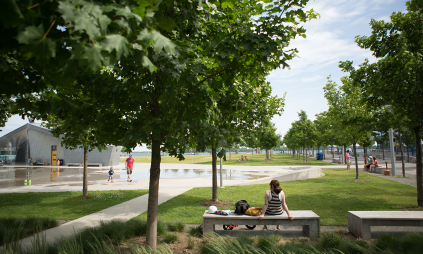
33	142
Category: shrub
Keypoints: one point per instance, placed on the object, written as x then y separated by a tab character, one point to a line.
329	240
191	243
170	238
177	226
196	231
266	242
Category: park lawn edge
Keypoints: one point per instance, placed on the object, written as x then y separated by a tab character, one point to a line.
330	196
68	205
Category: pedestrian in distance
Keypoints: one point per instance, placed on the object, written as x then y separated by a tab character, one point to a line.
348	159
111	174
274	201
129	164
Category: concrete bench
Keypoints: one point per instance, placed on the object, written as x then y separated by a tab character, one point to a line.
306	218
74	164
360	222
94	164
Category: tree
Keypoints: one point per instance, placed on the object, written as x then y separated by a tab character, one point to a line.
45	44
163	108
267	136
396	78
346	106
305	130
238	107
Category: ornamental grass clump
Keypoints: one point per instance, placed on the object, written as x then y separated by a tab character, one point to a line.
410	243
196	231
176	226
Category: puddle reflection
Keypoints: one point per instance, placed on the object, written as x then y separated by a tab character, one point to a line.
13	177
191	173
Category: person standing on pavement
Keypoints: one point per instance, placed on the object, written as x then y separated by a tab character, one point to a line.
129	164
348	159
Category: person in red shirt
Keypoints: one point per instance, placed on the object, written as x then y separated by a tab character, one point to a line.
376	163
348	158
129	165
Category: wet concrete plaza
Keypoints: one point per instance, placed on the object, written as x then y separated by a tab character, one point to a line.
47	179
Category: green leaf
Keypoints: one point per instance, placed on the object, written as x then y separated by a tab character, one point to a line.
116	42
148	64
92	54
158	40
83	22
30	34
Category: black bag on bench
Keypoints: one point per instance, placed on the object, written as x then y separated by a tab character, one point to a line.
241	207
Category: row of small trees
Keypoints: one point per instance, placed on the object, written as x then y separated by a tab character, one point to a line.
376	96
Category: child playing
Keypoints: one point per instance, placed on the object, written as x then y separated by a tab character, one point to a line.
111	174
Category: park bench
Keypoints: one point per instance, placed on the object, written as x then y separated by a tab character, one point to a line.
360	222
74	164
94	164
306	218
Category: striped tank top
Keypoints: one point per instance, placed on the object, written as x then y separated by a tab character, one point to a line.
275	207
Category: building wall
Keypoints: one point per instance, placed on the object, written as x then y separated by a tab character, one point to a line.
40	146
107	157
15	147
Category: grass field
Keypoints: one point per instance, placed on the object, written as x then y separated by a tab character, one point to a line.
255	160
61	205
330	196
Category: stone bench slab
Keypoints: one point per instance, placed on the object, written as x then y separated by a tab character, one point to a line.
306	218
360	222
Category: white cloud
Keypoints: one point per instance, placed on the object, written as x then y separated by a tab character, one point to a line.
311	79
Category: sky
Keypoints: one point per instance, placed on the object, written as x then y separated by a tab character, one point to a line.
330	39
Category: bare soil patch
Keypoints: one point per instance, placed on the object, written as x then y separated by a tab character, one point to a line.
180	246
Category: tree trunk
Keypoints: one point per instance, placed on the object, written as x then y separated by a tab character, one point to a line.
267	155
153	194
402	154
356	161
419	174
306	154
85	178
214	173
252	152
323	149
333	154
229	154
383	151
365	154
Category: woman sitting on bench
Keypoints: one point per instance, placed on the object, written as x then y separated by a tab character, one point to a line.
375	164
274	200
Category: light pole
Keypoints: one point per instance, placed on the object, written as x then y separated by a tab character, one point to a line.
221	180
391	147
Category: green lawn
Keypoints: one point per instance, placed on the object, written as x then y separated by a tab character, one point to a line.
255	160
330	196
61	205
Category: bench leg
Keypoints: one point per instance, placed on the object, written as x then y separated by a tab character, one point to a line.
312	230
207	227
365	231
358	227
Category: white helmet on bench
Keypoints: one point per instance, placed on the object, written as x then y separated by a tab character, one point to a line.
212	209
